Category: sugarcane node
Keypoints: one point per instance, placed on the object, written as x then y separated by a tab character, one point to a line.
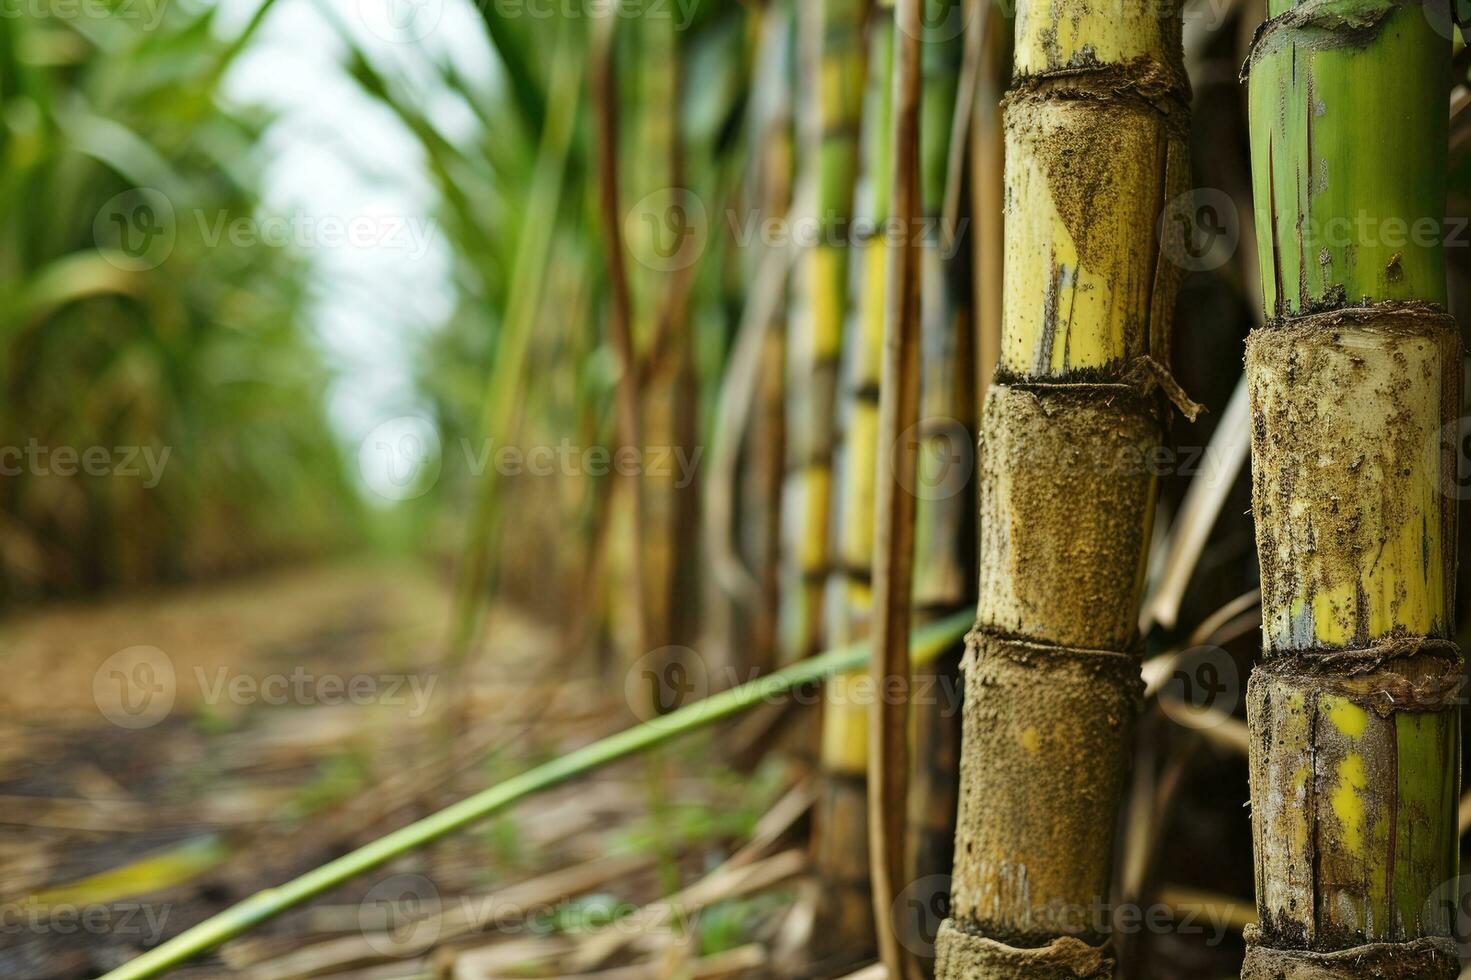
1099	384
1391	316
1422	959
962	954
1141	84
981	643
840	859
1417	676
819	460
1325	24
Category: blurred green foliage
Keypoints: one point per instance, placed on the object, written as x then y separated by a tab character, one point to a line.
129	323
489	208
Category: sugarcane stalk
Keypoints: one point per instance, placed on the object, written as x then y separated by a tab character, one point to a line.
895	504
771	192
831	69
504	388
602	78
945	540
1095	146
661	329
831	80
840	843
1354	383
988	157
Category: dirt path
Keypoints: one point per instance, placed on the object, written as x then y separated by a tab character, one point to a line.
164	756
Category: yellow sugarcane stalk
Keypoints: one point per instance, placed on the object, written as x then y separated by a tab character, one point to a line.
831	35
1095	147
841	844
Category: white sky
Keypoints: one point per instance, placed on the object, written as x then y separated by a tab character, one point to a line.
339	164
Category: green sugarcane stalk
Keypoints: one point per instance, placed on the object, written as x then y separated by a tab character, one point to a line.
1355	386
504	388
263	906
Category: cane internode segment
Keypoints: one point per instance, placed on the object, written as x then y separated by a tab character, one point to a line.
1095	147
1354	528
1355	389
1345	98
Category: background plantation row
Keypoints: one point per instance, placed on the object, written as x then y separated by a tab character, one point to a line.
578	412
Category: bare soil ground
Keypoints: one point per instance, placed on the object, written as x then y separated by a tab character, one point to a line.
164	756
